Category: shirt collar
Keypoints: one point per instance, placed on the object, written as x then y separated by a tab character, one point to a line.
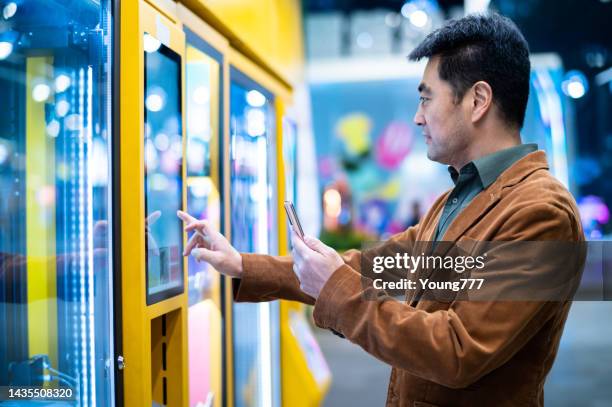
490	167
467	172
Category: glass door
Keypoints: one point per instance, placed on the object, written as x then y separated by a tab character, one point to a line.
253	220
55	245
204	87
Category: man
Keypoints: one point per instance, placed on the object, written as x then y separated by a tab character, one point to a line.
473	98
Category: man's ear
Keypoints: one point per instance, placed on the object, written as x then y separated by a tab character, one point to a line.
482	100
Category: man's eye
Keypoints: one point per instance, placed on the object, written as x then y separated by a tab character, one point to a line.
423	99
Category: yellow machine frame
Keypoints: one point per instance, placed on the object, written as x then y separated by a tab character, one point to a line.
139	320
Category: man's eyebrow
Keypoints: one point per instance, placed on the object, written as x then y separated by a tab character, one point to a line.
424	88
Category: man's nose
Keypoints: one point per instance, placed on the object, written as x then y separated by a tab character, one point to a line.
419	119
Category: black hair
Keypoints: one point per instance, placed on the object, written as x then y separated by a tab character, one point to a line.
483	47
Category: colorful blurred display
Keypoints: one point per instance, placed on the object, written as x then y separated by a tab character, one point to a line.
372	158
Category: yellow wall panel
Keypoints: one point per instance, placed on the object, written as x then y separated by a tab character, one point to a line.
288	39
251	20
272	29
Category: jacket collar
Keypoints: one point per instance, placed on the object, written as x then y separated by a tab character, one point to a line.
491	166
481	204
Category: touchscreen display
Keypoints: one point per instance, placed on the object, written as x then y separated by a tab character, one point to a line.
163	171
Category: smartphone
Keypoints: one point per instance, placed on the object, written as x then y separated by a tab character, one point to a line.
293	219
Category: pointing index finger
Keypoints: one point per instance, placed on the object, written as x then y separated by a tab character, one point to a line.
200	226
185	217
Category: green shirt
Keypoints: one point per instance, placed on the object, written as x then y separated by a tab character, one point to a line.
475	177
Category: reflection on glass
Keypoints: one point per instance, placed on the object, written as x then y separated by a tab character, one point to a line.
163	171
55	276
203	87
290	160
256	339
290	157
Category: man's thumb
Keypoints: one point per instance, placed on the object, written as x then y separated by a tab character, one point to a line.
315	244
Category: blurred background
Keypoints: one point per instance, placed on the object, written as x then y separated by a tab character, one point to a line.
363	97
375	180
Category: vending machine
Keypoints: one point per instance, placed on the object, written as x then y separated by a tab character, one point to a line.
115	115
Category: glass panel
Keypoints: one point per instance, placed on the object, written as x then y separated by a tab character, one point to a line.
163	170
252	157
55	249
290	162
203	83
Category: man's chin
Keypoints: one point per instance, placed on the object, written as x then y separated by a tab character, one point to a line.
431	155
434	156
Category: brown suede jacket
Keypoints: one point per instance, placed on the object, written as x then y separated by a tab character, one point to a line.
458	353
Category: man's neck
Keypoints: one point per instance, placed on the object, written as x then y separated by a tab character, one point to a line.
488	145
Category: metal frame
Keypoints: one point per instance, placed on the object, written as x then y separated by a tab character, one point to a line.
116	204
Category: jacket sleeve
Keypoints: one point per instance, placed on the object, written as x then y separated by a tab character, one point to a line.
453	347
267	278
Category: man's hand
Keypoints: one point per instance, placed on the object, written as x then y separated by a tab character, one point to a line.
211	246
313	263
